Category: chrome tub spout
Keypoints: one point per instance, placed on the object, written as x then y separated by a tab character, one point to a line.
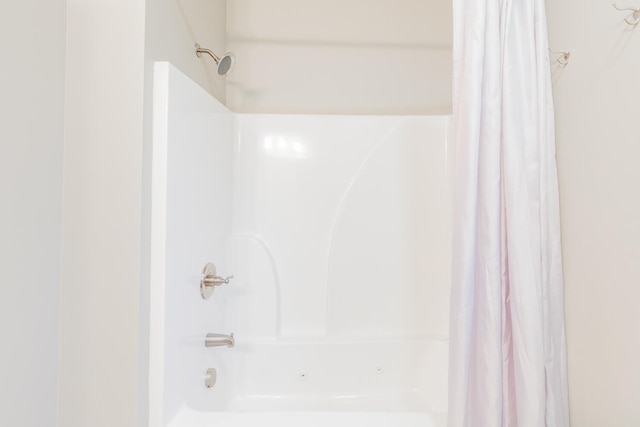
219	340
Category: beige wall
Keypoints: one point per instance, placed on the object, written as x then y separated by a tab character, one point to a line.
99	334
206	22
597	116
32	66
340	56
111	46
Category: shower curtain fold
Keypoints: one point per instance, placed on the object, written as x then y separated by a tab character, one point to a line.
507	344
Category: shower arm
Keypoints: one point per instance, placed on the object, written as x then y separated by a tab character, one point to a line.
209	52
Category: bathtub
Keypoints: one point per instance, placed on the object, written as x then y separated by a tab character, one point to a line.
336	231
313	419
320	384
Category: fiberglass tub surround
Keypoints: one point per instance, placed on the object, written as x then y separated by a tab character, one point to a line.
336	231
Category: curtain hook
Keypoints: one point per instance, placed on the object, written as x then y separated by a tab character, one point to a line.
563	59
633	18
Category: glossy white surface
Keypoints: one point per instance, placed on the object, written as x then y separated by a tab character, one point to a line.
190	418
191	222
342	221
338	240
378	376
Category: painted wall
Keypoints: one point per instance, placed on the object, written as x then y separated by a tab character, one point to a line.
101	248
340	56
206	21
32	66
104	321
169	37
597	112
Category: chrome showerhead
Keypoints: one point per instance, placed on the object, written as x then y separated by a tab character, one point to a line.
225	64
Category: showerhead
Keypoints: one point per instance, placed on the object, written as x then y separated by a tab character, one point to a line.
225	64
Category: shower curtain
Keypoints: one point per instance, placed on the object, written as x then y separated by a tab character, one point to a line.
507	362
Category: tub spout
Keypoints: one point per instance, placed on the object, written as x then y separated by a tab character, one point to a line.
219	340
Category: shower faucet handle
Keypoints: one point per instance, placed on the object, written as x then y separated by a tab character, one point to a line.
216	280
210	279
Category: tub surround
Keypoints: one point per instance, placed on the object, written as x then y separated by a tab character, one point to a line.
335	229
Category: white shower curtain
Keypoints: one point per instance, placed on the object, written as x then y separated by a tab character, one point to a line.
508	362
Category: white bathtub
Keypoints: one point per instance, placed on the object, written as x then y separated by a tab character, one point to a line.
340	384
336	232
310	419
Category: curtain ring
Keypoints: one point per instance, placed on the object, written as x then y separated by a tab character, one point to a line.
563	59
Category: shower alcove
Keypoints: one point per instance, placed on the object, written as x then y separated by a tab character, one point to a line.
336	230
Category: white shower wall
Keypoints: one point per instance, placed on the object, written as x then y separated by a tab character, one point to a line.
191	223
336	231
349	215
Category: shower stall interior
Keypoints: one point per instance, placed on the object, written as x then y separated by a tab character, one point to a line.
336	232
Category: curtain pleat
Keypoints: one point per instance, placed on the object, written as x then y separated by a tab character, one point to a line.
507	339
